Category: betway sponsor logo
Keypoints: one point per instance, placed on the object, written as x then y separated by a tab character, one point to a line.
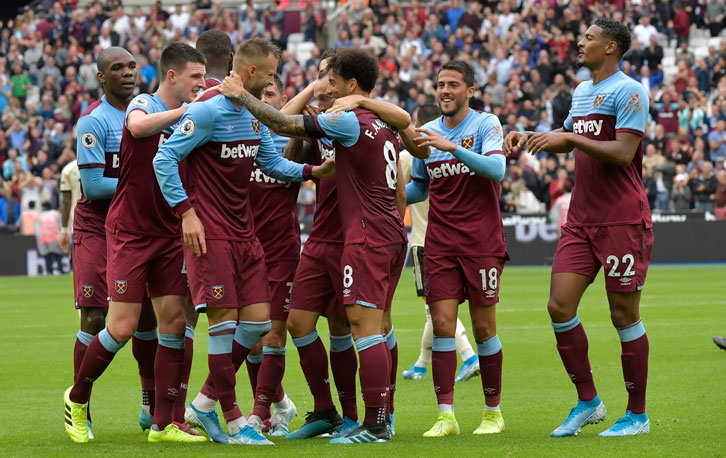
448	169
162	139
257	176
239	151
325	151
587	127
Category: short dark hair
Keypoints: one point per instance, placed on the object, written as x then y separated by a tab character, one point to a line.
427	112
256	48
215	45
277	81
615	31
463	67
327	54
356	63
177	55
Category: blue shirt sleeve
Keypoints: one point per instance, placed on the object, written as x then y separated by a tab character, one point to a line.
342	126
418	170
95	185
490	162
632	107
140	102
416	191
567	125
194	129
490	131
273	164
91	142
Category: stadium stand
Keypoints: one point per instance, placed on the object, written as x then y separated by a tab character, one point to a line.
523	52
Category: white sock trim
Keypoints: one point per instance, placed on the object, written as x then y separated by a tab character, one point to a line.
235	425
492	409
444	408
204	404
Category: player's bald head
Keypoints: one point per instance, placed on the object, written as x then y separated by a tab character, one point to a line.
110	55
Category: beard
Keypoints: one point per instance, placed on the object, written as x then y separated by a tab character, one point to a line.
457	107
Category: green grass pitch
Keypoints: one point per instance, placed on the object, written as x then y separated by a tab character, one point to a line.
682	308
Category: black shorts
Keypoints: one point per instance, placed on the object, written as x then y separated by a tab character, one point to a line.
417	252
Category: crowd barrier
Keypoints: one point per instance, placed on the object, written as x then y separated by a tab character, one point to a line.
692	237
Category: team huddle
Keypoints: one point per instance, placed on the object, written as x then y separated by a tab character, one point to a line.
189	206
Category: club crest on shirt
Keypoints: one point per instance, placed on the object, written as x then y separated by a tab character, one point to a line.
187	127
634	105
467	142
89	140
121	286
87	291
256	126
598	100
218	291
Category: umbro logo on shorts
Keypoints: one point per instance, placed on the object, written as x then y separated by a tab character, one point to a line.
121	286
218	291
87	290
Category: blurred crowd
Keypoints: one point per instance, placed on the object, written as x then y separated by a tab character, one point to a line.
523	52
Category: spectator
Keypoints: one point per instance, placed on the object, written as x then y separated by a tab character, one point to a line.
557	186
719	197
704	188
681	196
47	235
717	140
10	164
20	83
715	16
681	24
644	30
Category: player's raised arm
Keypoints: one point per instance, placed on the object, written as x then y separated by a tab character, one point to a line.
289	125
394	115
276	166
141	124
92	160
298	103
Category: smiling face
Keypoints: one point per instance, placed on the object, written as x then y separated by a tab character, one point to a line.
262	75
189	82
452	92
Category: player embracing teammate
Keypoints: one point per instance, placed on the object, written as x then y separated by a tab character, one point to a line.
374	237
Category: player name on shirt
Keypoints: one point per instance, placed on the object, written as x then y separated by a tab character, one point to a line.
366	175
